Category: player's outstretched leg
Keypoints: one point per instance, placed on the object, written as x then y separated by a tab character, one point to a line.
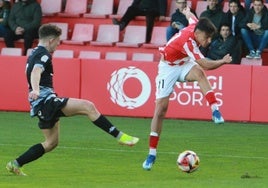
217	117
216	114
14	168
148	163
86	107
128	140
150	159
123	138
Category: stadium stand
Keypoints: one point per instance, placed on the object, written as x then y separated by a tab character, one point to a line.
136	56
48	9
116	56
74	8
11	51
100	9
134	36
226	6
82	34
122	8
63	53
89	55
172	8
67	25
108	35
200	7
29	51
255	62
158	38
64	27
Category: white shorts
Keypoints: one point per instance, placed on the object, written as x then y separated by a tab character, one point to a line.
168	76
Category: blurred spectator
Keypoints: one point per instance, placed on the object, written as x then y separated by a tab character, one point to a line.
255	29
248	3
178	19
63	4
224	44
4	12
149	8
214	13
234	17
24	21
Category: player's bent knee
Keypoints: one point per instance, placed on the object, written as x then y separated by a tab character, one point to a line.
49	146
199	74
89	106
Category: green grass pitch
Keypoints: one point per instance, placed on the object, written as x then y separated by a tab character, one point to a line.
232	155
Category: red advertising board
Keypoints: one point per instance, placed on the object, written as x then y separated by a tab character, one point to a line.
13	95
128	89
119	87
231	85
14	92
259	101
67	77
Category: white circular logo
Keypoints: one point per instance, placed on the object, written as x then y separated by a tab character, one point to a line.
116	87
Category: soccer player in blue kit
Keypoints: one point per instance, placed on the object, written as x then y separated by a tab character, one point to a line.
48	107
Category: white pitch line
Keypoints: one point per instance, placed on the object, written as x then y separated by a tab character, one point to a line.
135	151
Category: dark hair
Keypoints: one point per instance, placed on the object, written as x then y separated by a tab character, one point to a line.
225	24
49	30
205	25
238	4
258	0
234	1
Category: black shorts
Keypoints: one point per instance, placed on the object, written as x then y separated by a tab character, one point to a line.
50	112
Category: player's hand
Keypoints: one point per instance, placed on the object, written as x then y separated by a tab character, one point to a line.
227	58
33	95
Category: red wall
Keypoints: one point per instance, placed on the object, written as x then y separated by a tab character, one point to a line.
121	86
13	95
127	88
259	93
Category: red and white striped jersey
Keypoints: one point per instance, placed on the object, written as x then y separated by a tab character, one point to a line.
182	46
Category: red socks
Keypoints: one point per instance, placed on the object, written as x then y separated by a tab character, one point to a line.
210	96
153	141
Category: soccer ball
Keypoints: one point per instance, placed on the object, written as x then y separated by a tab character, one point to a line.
188	161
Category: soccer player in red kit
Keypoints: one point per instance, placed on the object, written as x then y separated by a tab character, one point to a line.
181	61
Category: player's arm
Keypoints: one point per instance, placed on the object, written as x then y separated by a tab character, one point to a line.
208	64
35	80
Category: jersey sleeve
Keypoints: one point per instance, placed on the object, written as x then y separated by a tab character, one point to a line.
41	61
193	20
192	50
